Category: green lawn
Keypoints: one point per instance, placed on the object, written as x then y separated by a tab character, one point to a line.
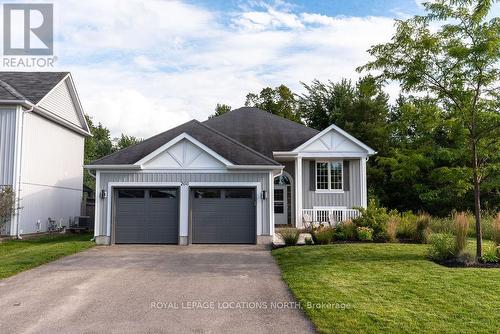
390	288
20	255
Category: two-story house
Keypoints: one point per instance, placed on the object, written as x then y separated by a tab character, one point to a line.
42	132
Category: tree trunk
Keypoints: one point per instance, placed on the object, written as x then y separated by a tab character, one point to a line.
477	203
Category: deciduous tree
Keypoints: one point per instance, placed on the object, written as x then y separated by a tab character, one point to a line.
452	53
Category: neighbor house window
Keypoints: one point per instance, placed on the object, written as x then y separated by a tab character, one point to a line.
328	175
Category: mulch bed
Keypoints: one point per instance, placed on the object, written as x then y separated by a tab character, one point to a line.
460	264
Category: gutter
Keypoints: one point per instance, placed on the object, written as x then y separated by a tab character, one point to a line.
47	114
256	167
230	167
130	167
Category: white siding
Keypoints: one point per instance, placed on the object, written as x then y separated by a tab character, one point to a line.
184	154
51	173
7	144
60	102
332	141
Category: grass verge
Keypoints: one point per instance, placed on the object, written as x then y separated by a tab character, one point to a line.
21	255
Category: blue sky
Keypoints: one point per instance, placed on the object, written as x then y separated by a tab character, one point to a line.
328	7
144	66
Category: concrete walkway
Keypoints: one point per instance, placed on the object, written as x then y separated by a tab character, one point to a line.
153	289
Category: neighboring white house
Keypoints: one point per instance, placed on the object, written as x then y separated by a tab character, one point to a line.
230	179
42	132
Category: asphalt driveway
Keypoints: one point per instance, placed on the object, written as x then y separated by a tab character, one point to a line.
153	289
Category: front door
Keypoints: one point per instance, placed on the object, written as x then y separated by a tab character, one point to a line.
280	205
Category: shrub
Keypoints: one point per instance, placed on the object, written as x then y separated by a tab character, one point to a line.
442	246
490	255
308	241
461	230
407	226
496	231
338	234
447	224
365	233
290	236
422	228
322	235
392	228
7	204
374	217
346	231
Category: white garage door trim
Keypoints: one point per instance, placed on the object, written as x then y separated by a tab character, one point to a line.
184	199
258	191
112	185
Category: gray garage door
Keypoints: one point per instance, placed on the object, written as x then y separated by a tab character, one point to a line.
223	215
147	216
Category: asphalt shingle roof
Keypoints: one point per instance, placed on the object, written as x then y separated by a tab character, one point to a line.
33	86
245	136
262	131
227	147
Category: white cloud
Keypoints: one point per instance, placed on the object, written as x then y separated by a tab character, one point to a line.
142	67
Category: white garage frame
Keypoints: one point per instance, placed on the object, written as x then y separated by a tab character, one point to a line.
184	189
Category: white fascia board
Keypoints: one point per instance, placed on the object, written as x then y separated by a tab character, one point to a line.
76	101
284	154
114	167
47	114
178	139
321	154
257	167
333	155
369	150
13	102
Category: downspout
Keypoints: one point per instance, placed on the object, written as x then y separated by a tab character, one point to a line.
94	177
18	195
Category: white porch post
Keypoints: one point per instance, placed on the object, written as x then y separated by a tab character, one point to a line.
364	191
97	207
184	215
271	203
298	192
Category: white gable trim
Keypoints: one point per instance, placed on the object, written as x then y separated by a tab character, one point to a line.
177	139
369	150
68	80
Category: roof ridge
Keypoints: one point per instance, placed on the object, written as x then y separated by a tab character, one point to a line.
12	90
271	114
237	142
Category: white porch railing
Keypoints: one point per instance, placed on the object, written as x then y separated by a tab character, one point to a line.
322	215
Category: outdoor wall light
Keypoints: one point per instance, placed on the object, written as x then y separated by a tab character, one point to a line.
104	194
264	194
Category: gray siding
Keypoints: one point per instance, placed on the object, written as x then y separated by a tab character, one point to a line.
185	177
7	144
349	199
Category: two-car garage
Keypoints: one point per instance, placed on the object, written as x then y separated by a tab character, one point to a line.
216	215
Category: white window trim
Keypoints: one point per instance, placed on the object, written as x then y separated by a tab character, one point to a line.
329	190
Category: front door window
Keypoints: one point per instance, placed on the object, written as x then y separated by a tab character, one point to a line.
280	205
